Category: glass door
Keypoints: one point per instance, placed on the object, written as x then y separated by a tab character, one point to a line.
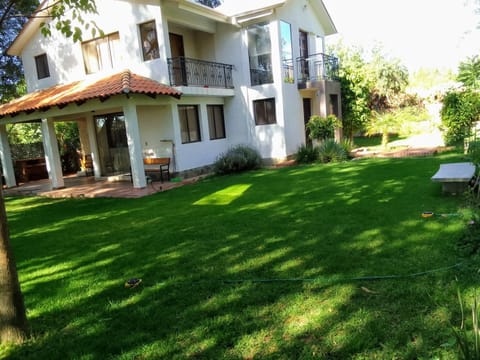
112	144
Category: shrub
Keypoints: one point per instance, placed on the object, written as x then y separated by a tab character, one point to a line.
460	110
331	151
347	146
322	128
306	154
237	159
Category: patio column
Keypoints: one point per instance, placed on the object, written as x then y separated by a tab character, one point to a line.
6	158
52	155
134	145
93	145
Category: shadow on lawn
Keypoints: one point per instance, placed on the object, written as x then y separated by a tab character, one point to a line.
204	262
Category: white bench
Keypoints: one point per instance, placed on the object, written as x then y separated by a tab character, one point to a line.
455	177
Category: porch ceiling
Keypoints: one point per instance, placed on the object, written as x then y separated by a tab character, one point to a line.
79	92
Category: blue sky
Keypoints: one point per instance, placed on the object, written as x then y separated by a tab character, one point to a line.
422	33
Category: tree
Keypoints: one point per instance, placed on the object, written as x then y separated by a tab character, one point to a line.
355	87
11	72
63	15
389	79
13	320
469	72
66	17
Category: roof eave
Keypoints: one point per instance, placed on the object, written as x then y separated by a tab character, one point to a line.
327	22
202	10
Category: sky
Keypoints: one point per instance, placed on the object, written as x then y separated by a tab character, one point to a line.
434	34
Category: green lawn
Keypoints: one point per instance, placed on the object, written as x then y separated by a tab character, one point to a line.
259	265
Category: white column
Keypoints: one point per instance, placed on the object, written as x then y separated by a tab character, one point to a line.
6	158
134	145
177	137
93	146
52	155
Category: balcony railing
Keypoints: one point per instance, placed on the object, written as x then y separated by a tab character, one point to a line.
317	67
191	72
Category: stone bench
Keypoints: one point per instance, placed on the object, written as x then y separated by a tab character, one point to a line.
455	177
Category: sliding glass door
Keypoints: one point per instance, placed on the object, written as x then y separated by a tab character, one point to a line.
112	144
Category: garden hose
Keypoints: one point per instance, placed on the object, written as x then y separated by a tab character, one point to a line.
335	280
427	214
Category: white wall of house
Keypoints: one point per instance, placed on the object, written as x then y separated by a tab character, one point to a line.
204	152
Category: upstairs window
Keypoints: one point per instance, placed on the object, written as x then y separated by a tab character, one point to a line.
41	63
148	36
259	54
101	54
264	111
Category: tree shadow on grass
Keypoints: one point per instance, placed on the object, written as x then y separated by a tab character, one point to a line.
272	274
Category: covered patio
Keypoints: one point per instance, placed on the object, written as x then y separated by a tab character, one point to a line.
109	112
89	187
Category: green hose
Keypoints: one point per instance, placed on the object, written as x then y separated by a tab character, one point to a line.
335	280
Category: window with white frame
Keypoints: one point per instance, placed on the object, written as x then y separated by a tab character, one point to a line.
101	53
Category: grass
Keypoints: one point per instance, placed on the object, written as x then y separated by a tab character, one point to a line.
373	142
256	265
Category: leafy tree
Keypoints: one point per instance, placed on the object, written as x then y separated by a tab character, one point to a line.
11	72
389	79
63	15
469	72
355	87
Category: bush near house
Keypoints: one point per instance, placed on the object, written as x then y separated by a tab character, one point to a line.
306	154
237	159
321	128
331	151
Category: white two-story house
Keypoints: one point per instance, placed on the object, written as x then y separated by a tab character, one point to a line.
178	79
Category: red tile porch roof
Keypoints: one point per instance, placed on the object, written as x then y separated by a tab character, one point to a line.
79	92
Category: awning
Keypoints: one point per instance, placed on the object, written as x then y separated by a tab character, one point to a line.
79	92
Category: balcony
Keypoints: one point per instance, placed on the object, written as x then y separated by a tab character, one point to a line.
192	72
315	68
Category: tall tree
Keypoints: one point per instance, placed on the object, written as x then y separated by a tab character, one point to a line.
355	87
14	13
11	22
469	72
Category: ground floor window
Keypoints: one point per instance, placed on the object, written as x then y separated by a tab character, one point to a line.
189	124
264	111
216	122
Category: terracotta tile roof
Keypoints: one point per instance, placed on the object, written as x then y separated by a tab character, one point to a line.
81	91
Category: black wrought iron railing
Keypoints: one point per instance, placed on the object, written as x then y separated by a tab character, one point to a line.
317	67
192	72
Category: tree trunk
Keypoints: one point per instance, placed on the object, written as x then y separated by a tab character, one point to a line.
13	320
